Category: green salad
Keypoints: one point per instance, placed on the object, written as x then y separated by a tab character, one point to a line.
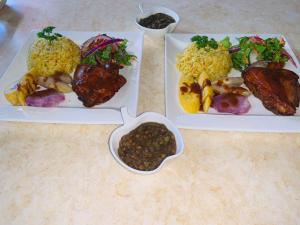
270	49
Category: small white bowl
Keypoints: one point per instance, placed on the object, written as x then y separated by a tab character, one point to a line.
131	123
157	32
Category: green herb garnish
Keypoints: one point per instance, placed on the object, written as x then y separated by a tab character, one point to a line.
213	43
201	41
273	51
226	42
121	56
47	34
241	59
204	42
89	60
106	54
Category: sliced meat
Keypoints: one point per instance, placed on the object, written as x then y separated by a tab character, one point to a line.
290	84
276	88
96	84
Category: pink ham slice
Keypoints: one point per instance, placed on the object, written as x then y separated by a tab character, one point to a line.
45	98
231	103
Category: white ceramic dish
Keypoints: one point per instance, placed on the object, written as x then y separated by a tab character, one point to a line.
257	119
157	32
72	110
131	123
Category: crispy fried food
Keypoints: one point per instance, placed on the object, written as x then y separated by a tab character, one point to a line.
207	91
26	87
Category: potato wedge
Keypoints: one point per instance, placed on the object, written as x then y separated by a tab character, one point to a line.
190	102
25	87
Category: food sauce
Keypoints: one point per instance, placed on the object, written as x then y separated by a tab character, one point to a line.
145	147
157	21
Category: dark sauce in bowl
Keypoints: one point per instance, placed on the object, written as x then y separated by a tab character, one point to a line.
157	21
145	147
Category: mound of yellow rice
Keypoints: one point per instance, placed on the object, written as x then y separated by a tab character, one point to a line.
215	62
46	59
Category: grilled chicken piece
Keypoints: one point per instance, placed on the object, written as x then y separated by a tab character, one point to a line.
96	84
278	89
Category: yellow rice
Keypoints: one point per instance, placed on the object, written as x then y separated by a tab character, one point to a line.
215	62
46	59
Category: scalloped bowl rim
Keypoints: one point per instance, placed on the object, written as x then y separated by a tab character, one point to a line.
157	9
132	123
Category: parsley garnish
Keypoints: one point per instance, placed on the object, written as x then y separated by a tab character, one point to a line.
47	34
203	42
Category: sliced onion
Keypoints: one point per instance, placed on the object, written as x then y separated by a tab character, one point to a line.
260	63
224	89
231	103
230	82
234	49
101	46
284	52
86	46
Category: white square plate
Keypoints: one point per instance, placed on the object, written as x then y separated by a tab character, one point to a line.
257	119
72	110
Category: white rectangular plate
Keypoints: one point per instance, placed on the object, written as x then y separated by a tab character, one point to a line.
257	119
72	110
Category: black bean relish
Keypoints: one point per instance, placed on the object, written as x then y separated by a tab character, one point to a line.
157	21
145	147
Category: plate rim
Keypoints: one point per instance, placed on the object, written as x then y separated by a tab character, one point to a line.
247	123
20	113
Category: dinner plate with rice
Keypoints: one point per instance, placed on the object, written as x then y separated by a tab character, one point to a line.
193	72
55	77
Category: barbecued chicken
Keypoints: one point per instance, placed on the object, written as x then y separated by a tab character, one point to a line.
97	84
278	89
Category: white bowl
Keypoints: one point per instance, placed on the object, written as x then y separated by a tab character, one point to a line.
131	123
157	32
